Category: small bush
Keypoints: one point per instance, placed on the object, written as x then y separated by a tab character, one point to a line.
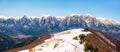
82	38
75	38
90	48
55	45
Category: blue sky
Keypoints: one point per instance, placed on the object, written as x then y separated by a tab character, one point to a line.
97	8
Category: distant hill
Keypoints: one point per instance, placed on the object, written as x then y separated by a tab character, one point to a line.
6	42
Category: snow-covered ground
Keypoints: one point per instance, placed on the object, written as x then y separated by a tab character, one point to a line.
61	42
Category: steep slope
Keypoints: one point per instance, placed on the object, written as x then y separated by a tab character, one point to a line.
75	40
103	41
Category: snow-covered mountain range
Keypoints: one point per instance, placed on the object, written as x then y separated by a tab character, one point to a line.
27	26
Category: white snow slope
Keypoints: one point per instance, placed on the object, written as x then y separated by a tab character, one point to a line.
61	42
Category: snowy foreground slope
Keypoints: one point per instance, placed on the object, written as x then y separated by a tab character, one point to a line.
74	40
61	42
